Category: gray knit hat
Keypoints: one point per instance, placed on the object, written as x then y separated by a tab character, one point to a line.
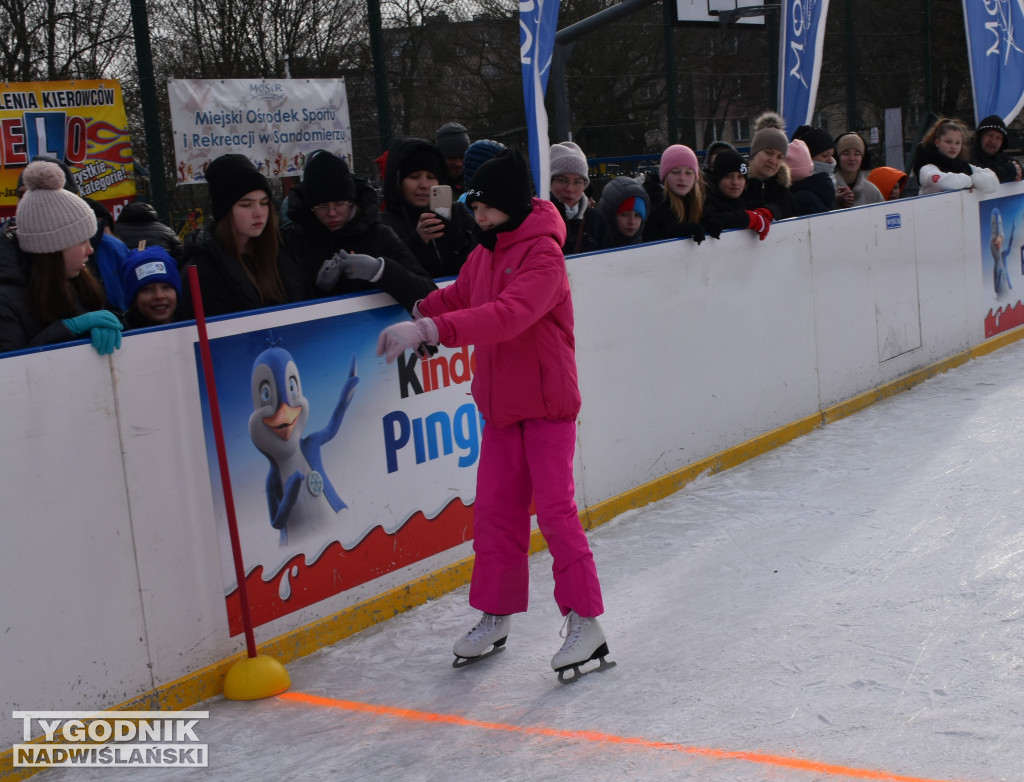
49	218
568	158
452	139
769	138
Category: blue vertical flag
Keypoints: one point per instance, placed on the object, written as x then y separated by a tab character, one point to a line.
802	32
996	56
537	22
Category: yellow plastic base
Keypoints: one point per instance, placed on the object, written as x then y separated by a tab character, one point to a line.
252	678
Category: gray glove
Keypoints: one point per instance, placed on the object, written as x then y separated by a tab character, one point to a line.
330	272
360	267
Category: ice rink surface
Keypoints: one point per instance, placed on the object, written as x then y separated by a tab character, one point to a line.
849	606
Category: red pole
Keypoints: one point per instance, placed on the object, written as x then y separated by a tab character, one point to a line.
222	458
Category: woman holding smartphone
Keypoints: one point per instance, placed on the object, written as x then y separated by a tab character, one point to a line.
440	244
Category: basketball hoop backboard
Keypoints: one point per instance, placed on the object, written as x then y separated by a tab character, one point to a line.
706	11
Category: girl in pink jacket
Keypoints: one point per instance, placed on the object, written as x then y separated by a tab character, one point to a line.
511	301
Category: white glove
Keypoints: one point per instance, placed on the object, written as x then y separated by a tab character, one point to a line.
407	335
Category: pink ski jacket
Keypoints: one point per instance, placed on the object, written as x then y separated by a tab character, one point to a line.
514	306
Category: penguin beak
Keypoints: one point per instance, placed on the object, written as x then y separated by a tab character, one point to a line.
282	423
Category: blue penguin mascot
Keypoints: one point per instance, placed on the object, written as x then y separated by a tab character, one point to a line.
300	495
996	243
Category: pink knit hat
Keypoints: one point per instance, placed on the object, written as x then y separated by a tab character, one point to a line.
798	158
677	156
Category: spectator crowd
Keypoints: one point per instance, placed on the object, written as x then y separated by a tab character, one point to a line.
69	271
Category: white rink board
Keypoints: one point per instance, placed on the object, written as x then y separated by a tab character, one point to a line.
112	580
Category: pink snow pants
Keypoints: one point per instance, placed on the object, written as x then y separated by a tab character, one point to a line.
529	458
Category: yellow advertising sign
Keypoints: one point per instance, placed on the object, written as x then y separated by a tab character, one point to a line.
82	123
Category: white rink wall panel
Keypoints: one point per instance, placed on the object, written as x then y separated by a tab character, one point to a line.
889	301
72	632
171	500
685	350
112	576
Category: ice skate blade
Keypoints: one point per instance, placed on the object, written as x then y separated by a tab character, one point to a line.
577	674
599	653
462	662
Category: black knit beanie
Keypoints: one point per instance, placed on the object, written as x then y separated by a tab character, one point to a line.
726	162
503	182
991	122
422	157
327	178
230	177
816	139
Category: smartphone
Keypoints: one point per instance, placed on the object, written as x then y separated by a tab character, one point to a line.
441	201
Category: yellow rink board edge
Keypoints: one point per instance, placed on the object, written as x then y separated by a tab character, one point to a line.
208	682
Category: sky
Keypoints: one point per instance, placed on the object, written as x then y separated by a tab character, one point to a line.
848	606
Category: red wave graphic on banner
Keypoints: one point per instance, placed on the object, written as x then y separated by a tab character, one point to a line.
1003	320
337	570
108	143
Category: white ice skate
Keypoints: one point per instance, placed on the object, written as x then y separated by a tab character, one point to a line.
584	641
486	638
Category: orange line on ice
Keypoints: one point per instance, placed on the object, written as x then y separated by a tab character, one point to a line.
605	738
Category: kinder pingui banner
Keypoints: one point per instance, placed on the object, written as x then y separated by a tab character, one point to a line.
81	123
1002	262
343	468
274	123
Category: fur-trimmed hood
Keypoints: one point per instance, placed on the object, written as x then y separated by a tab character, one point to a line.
783	176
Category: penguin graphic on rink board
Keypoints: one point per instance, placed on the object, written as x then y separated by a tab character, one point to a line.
997	241
301	498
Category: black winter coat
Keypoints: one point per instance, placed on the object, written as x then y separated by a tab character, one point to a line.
814	194
19	328
1001	163
309	242
138	221
663	224
225	286
721	212
587	233
772	194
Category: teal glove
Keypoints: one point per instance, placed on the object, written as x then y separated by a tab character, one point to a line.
103	327
105	340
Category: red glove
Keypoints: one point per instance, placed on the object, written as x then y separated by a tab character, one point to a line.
760	219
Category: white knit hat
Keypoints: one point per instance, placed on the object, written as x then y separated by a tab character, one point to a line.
568	158
49	218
